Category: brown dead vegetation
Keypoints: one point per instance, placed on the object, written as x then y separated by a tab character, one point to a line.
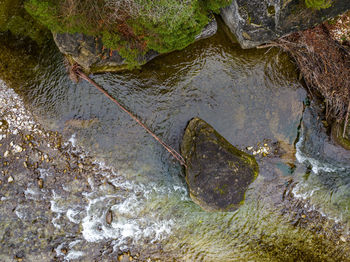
325	66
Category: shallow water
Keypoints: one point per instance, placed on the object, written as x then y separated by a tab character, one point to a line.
251	97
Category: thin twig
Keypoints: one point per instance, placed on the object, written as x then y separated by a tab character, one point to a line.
346	120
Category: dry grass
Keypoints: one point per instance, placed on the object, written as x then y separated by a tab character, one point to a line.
325	66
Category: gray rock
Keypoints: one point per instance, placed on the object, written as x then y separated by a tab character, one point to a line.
208	31
256	22
217	173
88	51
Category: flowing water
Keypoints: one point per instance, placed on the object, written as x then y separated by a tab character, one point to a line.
296	210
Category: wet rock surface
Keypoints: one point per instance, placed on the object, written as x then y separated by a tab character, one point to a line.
257	22
318	144
217	173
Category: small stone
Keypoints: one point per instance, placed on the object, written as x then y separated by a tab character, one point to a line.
17	149
25	164
40	183
249	148
64	250
342	238
10	179
6	153
109	217
80	165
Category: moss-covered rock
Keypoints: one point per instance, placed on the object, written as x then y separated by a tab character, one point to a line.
217	173
91	53
256	22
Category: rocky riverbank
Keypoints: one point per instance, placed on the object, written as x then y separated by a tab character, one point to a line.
44	191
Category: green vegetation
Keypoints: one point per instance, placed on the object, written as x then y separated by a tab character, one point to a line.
15	19
132	27
215	5
318	4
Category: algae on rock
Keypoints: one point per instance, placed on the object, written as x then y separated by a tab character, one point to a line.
217	173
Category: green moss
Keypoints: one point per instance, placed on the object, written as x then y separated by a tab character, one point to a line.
271	10
215	5
48	13
318	4
163	26
15	19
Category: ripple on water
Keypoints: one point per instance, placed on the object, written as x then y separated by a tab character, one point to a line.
247	95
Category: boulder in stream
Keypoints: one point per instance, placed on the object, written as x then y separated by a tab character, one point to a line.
217	173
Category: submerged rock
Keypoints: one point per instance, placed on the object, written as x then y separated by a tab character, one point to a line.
256	22
217	173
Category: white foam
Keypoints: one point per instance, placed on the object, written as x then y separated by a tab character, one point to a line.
316	165
73	140
44	173
132	219
20	214
72	254
307	196
71	216
54	223
32	194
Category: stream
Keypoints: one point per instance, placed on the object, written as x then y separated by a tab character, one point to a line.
134	200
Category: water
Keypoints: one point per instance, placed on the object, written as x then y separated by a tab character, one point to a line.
251	97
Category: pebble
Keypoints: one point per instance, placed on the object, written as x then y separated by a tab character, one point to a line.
17	149
6	153
10	179
342	238
40	183
109	217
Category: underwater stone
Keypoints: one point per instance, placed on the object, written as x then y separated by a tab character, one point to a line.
217	173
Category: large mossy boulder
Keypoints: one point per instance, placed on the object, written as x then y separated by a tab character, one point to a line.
90	53
255	22
217	173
